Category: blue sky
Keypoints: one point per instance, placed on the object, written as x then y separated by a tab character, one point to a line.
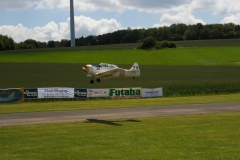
45	20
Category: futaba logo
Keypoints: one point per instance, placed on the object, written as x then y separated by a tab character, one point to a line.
124	92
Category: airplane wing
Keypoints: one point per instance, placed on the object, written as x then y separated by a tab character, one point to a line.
109	72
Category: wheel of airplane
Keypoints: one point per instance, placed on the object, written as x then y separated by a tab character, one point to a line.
98	80
92	81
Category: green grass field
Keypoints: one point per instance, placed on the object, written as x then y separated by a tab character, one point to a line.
183	137
176	80
181	71
193	56
62	105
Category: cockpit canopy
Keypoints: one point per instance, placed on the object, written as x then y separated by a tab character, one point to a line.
107	65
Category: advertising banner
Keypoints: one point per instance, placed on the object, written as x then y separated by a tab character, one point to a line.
11	95
98	93
30	93
125	92
156	92
80	93
56	92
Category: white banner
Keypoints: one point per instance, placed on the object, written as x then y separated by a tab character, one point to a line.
156	92
125	92
57	92
98	93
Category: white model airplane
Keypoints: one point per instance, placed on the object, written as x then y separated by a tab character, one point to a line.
105	71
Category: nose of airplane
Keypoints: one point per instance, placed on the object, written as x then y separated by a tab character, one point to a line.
85	69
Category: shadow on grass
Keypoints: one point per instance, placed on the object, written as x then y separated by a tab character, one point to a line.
132	120
109	122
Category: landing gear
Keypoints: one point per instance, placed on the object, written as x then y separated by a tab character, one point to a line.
92	81
98	80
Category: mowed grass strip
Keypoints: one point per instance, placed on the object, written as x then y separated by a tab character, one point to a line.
193	56
113	104
183	137
175	80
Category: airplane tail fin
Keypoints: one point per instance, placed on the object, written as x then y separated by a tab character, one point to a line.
135	67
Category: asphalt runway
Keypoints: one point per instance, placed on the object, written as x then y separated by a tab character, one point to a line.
108	114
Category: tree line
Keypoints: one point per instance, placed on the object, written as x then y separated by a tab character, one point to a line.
175	32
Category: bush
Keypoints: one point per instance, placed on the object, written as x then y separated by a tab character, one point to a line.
148	43
165	44
158	46
172	45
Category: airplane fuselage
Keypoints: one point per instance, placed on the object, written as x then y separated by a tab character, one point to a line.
105	71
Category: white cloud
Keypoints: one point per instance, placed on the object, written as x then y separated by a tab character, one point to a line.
151	6
174	11
18	4
229	7
232	19
80	5
48	32
222	7
88	26
184	17
18	33
84	26
21	33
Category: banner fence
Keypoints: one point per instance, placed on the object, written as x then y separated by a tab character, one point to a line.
11	95
155	92
83	93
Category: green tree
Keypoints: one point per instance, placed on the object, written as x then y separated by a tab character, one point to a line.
16	46
198	30
163	33
31	46
79	41
8	42
22	45
42	44
51	44
65	43
1	45
190	34
32	42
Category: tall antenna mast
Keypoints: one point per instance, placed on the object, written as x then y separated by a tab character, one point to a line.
72	24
